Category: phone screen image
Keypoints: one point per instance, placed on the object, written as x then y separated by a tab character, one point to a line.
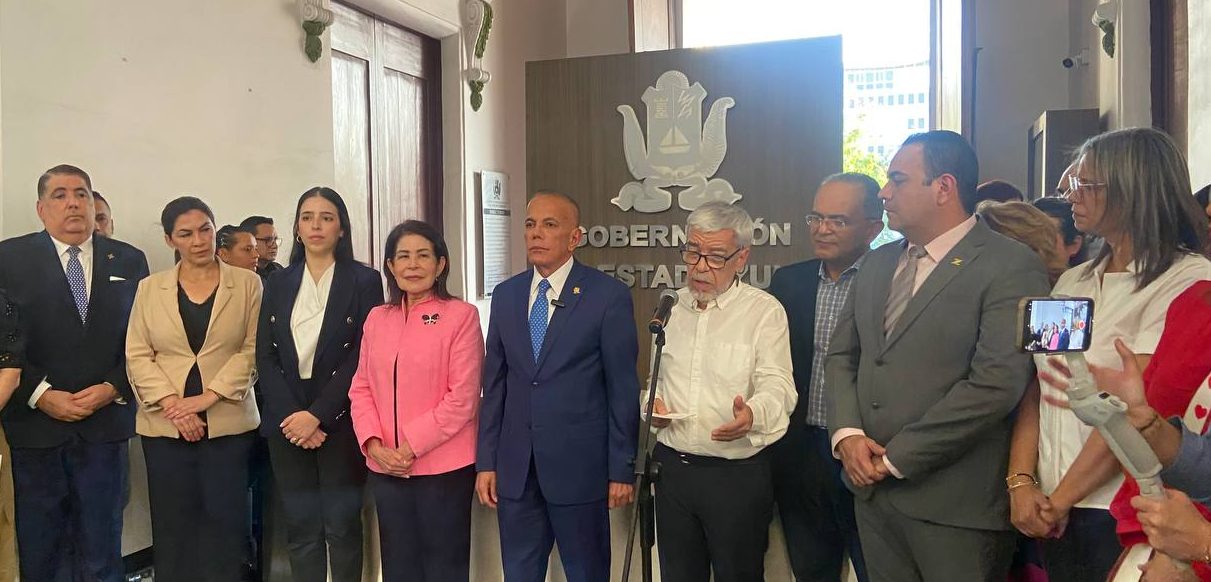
1056	325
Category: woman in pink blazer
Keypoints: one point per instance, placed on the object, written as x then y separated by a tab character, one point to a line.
413	401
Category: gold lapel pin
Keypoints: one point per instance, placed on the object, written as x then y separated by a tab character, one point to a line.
575	290
957	262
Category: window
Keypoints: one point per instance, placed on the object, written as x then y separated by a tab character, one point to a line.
920	123
889	75
900	99
870	77
911	98
912	123
870	149
881	150
920	97
851	103
880	100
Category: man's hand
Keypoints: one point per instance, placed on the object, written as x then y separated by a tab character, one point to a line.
1027	505
299	427
485	487
658	407
191	427
858	456
389	459
96	396
1162	568
316	439
1174	526
62	405
737	428
621	494
182	407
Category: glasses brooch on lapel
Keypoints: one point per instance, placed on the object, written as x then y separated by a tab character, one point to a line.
430	319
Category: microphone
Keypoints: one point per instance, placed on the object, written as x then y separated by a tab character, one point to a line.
557	303
668	298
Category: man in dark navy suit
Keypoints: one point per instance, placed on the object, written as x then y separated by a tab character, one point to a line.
71	416
558	425
817	510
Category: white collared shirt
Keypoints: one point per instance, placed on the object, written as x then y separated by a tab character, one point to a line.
738	346
1119	311
556	280
86	262
308	317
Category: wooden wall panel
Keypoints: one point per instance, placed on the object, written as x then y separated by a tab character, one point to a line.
784	136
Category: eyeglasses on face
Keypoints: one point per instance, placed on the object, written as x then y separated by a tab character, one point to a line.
692	257
270	240
1078	187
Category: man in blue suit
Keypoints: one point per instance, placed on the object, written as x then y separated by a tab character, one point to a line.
1065	337
558	428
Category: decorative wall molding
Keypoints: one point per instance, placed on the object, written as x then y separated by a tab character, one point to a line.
315	19
477	25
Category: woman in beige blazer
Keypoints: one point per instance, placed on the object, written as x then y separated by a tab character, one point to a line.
190	354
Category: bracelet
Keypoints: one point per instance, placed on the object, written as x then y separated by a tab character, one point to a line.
1016	475
1022	484
1151	423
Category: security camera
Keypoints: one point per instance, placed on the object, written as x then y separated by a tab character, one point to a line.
1080	59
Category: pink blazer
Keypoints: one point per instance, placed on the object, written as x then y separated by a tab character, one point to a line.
419	379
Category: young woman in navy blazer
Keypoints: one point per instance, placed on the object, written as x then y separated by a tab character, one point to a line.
307	351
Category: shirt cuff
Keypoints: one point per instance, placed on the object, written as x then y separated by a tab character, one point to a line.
38	392
890	467
842	434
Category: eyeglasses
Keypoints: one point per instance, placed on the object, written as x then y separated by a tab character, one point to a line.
833	222
692	258
1078	188
270	240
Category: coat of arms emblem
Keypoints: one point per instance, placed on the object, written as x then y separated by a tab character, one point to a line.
679	149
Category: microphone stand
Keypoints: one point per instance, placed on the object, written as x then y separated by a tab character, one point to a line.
647	472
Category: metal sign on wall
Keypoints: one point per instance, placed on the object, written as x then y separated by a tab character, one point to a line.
771	132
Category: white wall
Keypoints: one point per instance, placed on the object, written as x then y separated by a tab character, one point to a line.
598	27
1019	77
159	98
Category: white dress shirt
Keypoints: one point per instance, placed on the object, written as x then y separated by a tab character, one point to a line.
86	262
556	280
1120	311
935	250
738	346
308	317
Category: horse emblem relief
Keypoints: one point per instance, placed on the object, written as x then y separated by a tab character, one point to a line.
679	149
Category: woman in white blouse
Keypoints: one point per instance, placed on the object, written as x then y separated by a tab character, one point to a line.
1132	188
307	352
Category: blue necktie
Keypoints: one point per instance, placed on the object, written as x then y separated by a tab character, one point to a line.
538	318
75	277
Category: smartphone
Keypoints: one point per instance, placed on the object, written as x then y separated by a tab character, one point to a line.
1053	325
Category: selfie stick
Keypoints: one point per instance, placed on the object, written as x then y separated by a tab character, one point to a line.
1108	415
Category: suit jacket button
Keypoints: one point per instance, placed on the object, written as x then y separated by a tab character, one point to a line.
273	319
874	405
347	345
275	344
534	384
348	321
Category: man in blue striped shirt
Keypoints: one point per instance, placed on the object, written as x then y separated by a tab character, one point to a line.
816	509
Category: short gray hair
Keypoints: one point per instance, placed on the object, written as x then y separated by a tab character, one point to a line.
717	216
872	205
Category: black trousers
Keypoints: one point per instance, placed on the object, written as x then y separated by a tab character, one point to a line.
816	508
322	491
424	525
199	506
712	514
1088	549
68	502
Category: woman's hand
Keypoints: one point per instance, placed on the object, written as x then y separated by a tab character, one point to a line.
191	427
298	427
1174	526
1057	516
1127	384
316	440
1162	568
388	459
182	407
1027	505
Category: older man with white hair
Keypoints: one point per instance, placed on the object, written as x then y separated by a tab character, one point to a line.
727	365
